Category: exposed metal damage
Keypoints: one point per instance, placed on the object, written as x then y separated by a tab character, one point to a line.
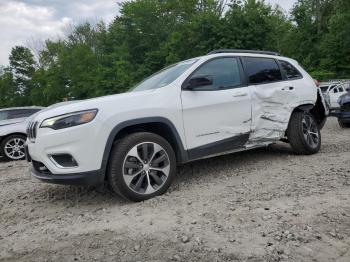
270	114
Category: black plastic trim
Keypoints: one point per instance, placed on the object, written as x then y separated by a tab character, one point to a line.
243	51
147	120
85	178
222	146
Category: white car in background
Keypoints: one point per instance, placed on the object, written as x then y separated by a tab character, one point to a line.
332	92
13	124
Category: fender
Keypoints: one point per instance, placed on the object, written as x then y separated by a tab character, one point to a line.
111	138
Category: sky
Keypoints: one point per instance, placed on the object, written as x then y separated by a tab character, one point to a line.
27	22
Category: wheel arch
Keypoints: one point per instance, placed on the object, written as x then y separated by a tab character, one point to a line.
3	137
11	134
318	110
158	125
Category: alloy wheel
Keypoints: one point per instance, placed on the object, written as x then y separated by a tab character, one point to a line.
310	131
14	148
146	168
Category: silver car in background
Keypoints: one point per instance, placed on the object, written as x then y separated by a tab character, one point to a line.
13	125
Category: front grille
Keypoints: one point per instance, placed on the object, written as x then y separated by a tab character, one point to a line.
32	130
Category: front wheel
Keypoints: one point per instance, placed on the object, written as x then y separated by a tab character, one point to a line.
12	147
141	166
304	133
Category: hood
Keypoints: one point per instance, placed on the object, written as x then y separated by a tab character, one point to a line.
124	99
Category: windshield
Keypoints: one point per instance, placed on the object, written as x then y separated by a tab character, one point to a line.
165	76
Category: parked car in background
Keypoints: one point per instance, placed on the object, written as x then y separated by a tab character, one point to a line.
332	91
343	113
13	124
223	102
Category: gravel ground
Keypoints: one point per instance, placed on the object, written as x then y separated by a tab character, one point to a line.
260	205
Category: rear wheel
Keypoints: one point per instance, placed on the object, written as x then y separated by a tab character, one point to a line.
342	124
304	133
141	166
12	147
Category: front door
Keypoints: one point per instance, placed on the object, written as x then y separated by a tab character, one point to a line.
217	116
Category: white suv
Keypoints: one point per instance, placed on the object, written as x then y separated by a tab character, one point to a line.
226	101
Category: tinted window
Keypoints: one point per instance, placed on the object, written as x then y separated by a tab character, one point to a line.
262	70
290	71
224	72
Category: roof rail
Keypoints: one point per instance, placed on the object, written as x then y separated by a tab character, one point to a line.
243	51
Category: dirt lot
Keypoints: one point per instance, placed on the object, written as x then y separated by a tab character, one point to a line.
262	205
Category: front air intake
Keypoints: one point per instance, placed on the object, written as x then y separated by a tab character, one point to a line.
64	161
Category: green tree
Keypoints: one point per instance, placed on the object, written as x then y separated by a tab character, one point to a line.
22	66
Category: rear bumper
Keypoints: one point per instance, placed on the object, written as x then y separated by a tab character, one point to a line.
85	178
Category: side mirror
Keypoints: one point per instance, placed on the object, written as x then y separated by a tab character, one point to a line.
199	81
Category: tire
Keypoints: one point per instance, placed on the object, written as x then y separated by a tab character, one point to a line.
342	124
304	134
12	147
131	170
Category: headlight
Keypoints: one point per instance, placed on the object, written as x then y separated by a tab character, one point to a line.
69	120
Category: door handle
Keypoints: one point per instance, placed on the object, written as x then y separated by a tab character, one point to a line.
240	95
288	88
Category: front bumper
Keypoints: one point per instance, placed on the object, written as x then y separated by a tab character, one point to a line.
85	178
84	143
341	114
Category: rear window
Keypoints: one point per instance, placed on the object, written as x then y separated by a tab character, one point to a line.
290	71
262	70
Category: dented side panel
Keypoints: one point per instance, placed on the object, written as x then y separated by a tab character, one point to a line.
271	108
273	104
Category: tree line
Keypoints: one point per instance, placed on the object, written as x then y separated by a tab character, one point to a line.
99	59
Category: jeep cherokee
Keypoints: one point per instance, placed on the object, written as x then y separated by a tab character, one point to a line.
226	101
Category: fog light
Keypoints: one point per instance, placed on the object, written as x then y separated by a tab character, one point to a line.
64	161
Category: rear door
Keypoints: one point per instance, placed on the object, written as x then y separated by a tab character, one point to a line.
271	94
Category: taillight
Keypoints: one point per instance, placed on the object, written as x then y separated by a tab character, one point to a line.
317	83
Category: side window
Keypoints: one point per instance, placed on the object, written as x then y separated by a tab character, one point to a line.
224	73
20	113
3	115
290	71
340	89
335	90
262	70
